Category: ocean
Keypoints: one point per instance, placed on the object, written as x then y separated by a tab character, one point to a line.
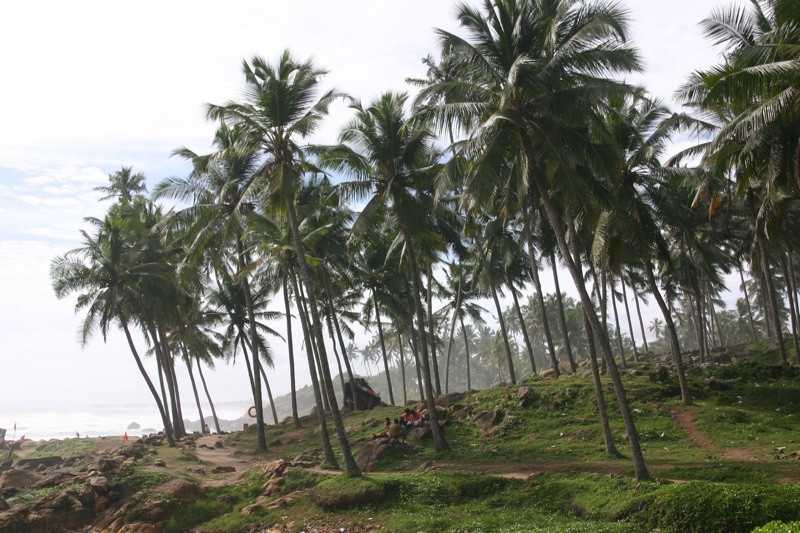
101	420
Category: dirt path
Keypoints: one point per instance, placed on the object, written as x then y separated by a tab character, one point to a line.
685	419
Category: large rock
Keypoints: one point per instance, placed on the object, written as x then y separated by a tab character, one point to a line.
372	451
416	434
658	373
180	490
486	420
18	479
446	399
39	461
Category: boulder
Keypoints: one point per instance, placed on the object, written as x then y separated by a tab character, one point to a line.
486	420
372	451
221	469
18	479
462	414
39	461
180	490
658	373
416	434
99	484
446	399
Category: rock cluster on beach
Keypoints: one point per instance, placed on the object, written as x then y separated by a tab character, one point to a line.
84	493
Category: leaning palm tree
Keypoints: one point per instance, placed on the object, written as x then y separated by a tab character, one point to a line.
389	160
281	106
219	188
107	274
534	77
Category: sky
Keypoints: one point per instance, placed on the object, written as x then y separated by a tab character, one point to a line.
90	86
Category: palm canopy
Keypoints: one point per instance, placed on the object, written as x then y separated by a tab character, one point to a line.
281	105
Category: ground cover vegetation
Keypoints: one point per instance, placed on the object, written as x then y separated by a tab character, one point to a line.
521	152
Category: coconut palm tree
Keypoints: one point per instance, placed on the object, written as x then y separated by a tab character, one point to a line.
124	185
107	273
535	74
281	107
389	160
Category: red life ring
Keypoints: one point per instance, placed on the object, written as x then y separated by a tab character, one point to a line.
252	411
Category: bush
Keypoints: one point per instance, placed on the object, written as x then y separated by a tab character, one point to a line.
709	508
343	492
778	527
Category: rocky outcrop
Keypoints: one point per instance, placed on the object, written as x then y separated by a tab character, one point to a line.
372	451
486	420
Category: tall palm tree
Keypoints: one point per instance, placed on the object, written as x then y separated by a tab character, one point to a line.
534	78
106	273
124	185
281	107
388	159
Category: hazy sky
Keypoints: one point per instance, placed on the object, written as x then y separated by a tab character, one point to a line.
89	86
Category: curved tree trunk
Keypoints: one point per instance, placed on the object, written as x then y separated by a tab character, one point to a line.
383	349
350	466
327	450
402	365
164	416
466	350
452	330
251	318
269	395
792	308
429	297
290	344
208	396
641	322
628	315
608	437
747	304
686	397
562	317
554	218
188	361
524	327
616	323
439	443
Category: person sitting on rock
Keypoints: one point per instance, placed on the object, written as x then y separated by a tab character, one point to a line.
411	418
395	430
385	433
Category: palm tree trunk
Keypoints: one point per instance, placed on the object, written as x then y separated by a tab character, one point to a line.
402	365
524	327
188	361
251	317
747	303
772	297
417	364
616	322
312	343
554	218
335	318
269	395
164	416
205	388
327	450
628	315
534	268
562	317
290	344
500	320
383	349
452	330
439	443
346	357
608	437
431	328
686	397
466	351
792	307
641	322
350	466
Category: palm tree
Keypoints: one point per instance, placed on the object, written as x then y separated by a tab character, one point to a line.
534	79
124	185
220	189
107	273
382	152
281	106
